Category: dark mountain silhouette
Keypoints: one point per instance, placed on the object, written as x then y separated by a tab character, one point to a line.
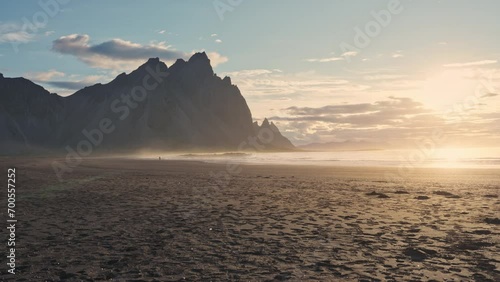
185	106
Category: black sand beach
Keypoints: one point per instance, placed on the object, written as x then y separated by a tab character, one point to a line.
150	220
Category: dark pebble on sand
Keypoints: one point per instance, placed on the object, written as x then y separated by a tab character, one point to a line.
446	194
379	195
419	254
473	245
283	276
492	220
422	198
481	232
66	275
401	192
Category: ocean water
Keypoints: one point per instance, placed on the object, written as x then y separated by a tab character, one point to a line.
439	158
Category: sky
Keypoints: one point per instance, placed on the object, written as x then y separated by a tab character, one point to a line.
324	71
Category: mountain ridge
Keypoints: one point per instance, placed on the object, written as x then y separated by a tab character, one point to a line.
184	106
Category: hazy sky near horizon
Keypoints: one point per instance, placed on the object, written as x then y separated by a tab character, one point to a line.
323	70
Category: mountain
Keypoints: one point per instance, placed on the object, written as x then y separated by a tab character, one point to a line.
184	106
271	136
349	145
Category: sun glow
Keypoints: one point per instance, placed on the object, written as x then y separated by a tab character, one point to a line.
461	157
447	87
449	157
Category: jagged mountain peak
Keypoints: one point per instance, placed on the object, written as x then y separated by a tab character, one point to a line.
200	56
153	63
279	142
189	108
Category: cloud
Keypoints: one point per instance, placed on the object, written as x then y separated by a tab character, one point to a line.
213	35
325	60
342	57
397	55
248	73
13	33
216	58
265	85
53	78
470	64
384	76
350	54
162	31
389	112
70	85
489	95
44	76
396	118
218	41
120	49
118	53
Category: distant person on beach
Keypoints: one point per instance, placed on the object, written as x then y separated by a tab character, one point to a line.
159	158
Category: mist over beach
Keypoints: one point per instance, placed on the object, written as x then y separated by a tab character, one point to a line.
253	140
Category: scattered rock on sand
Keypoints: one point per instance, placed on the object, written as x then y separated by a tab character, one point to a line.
446	194
422	198
492	220
414	230
379	195
472	245
419	254
283	276
401	192
481	232
491	196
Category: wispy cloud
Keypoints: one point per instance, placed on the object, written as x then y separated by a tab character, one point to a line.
120	54
14	33
218	41
394	110
57	80
350	54
384	76
471	64
344	56
325	60
44	76
397	115
489	95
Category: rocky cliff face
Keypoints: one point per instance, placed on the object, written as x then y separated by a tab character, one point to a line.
185	106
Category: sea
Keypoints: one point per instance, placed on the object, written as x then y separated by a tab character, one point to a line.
438	158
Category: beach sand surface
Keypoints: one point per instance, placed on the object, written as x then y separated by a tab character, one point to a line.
148	220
